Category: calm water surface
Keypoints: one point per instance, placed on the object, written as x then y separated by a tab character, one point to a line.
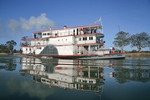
30	78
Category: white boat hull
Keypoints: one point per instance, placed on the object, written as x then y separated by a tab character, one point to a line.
104	57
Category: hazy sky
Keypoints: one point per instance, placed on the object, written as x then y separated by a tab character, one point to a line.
20	18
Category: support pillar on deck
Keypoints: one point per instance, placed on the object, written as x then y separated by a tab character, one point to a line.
89	49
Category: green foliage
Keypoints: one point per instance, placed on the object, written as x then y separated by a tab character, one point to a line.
121	40
15	51
8	47
133	51
3	48
140	40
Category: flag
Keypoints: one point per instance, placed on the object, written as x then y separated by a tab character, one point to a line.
98	20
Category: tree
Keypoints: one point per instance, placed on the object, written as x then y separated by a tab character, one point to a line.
149	44
3	48
140	40
121	40
10	45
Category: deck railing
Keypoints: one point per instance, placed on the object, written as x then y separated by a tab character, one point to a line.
34	44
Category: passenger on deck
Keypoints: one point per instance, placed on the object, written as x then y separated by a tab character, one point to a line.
94	30
77	32
91	31
34	35
84	30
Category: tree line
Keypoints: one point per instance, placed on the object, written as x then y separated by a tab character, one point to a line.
8	47
139	40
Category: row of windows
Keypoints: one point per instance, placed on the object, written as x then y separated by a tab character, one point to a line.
39	48
85	81
62	39
85	38
47	34
30	48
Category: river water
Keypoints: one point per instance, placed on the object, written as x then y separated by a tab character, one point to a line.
31	78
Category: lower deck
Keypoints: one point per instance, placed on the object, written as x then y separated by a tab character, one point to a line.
65	49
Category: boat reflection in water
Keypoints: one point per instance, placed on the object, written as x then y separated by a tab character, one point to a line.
68	74
45	79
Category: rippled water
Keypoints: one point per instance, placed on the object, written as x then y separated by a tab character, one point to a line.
31	78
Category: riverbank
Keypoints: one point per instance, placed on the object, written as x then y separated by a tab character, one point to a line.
137	54
9	54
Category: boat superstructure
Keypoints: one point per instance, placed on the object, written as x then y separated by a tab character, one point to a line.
83	42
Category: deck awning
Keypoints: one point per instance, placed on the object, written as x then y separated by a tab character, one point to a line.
78	27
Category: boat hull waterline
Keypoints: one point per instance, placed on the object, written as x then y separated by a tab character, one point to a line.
110	56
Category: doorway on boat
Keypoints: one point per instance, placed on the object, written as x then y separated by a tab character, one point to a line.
83	49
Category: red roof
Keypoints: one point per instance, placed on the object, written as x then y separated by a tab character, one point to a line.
67	28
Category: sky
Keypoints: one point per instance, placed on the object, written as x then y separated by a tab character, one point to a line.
20	18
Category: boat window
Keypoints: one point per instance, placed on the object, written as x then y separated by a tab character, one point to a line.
90	38
79	80
84	38
84	81
79	39
44	33
43	80
73	32
49	33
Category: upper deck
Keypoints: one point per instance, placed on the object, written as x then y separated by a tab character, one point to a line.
63	32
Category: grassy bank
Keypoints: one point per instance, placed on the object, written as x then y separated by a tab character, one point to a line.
9	54
137	54
4	54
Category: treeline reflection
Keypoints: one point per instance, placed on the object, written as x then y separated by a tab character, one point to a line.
8	64
137	74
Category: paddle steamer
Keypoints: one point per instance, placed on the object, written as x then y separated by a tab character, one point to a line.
82	42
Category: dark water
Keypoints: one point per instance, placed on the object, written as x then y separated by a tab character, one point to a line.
25	78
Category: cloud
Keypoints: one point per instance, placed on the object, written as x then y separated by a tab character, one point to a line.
14	26
33	23
41	22
2	29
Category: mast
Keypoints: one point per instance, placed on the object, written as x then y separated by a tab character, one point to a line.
101	25
100	20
